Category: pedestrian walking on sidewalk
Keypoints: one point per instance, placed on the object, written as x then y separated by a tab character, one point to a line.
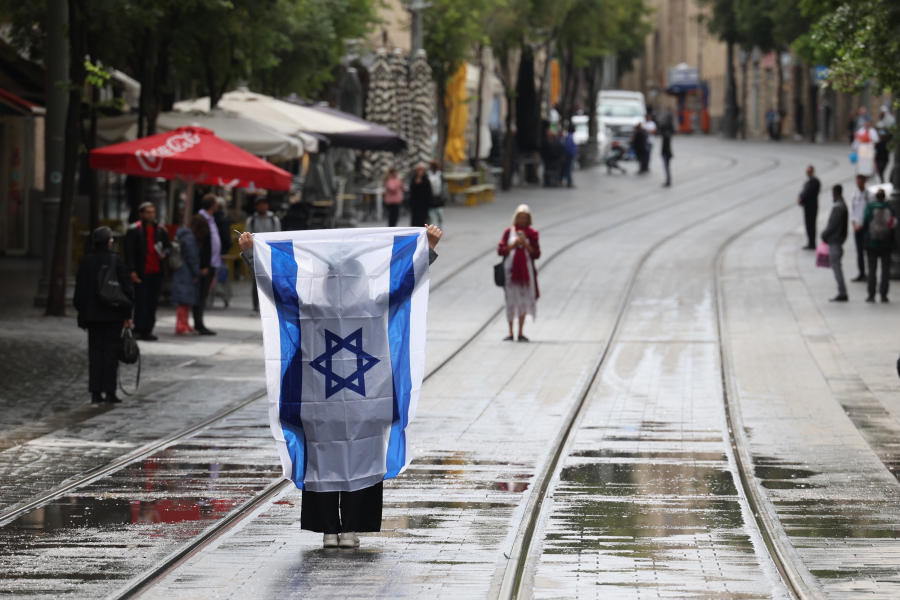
835	234
649	127
879	222
639	147
861	199
667	130
393	196
211	251
809	200
520	248
223	224
436	178
146	247
570	149
102	321
186	278
420	196
339	516
261	221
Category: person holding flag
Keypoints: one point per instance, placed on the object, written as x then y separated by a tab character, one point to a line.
343	316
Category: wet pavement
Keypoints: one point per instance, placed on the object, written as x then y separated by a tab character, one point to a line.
645	502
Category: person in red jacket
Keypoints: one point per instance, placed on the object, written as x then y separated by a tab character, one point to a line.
520	248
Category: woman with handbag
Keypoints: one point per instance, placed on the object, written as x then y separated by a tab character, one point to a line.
520	248
103	298
185	291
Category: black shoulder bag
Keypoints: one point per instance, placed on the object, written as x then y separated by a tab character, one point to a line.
129	353
109	292
499	275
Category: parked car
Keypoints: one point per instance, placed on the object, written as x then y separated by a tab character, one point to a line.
620	111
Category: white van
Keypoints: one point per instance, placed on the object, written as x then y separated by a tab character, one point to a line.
620	111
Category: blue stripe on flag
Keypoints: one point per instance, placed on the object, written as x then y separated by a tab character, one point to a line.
287	304
403	281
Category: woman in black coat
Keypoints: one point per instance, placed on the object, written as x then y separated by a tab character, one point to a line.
420	196
103	322
200	228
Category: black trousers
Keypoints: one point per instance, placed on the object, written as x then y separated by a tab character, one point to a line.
103	355
205	283
885	257
810	212
337	512
860	238
393	211
666	160
146	299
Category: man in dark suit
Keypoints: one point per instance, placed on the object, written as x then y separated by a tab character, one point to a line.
103	322
834	235
809	200
146	247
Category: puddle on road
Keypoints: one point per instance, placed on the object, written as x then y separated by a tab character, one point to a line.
655	479
125	522
776	476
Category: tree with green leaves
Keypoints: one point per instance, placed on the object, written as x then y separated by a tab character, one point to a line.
723	22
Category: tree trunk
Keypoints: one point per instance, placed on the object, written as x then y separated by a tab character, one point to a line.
441	92
811	114
94	185
56	301
779	100
478	116
593	74
744	114
730	123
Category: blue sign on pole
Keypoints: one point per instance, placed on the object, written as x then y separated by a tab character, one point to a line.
821	72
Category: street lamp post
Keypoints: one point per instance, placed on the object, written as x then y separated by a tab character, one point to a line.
415	9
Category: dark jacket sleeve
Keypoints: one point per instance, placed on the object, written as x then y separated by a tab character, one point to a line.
432	256
247	256
834	224
132	238
123	275
810	190
80	287
535	245
162	235
503	247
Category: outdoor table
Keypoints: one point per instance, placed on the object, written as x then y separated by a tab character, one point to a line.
457	181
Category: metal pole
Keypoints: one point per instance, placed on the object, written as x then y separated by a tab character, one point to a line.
57	63
415	9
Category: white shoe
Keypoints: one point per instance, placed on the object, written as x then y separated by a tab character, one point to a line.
330	540
348	540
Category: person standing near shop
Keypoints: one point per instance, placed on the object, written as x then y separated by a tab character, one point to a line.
571	153
393	196
879	223
186	278
861	199
103	322
835	234
146	247
667	130
420	196
261	221
208	206
809	200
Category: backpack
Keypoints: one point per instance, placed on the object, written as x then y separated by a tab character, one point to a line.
174	257
109	292
880	228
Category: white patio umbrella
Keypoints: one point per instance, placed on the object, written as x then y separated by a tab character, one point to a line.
421	100
252	136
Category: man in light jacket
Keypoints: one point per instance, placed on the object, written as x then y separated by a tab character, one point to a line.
861	199
261	221
835	234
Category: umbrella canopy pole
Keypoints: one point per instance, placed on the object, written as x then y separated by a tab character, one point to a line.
189	202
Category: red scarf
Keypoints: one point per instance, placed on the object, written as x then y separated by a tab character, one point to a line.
520	262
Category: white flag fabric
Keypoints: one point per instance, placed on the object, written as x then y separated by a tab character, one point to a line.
343	315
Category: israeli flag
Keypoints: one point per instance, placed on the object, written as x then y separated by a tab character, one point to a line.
343	315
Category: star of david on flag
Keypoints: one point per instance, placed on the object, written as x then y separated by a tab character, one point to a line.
343	316
355	381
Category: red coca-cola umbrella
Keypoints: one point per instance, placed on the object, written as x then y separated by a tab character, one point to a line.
191	154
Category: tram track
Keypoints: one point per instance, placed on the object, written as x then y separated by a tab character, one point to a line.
149	578
521	556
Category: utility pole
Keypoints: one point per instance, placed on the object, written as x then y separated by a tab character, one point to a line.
54	134
415	9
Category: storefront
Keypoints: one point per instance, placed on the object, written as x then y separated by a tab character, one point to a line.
21	169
